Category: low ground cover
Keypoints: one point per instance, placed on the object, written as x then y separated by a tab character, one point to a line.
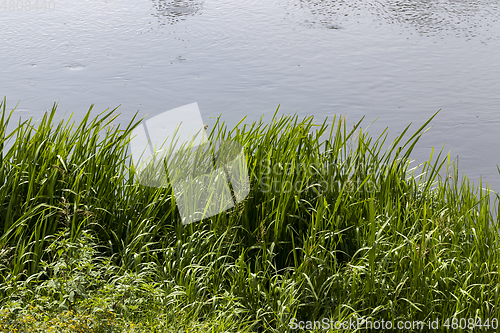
335	228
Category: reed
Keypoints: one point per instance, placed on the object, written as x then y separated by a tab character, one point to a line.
336	225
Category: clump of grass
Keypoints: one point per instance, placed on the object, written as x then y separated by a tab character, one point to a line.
334	226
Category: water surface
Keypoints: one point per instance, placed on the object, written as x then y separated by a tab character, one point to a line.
398	61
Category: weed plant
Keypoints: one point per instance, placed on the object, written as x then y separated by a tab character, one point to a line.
335	226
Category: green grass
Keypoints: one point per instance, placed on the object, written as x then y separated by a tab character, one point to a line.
335	226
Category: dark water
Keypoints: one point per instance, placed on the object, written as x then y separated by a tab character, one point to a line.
398	61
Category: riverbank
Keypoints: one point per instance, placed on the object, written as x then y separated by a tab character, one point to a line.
337	229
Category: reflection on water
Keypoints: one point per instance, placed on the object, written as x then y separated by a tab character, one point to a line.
432	17
320	13
460	18
171	12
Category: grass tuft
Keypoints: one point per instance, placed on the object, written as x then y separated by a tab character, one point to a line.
335	226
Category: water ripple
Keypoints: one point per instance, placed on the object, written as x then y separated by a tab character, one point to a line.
465	19
172	12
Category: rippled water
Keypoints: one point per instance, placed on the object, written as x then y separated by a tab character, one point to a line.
398	61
